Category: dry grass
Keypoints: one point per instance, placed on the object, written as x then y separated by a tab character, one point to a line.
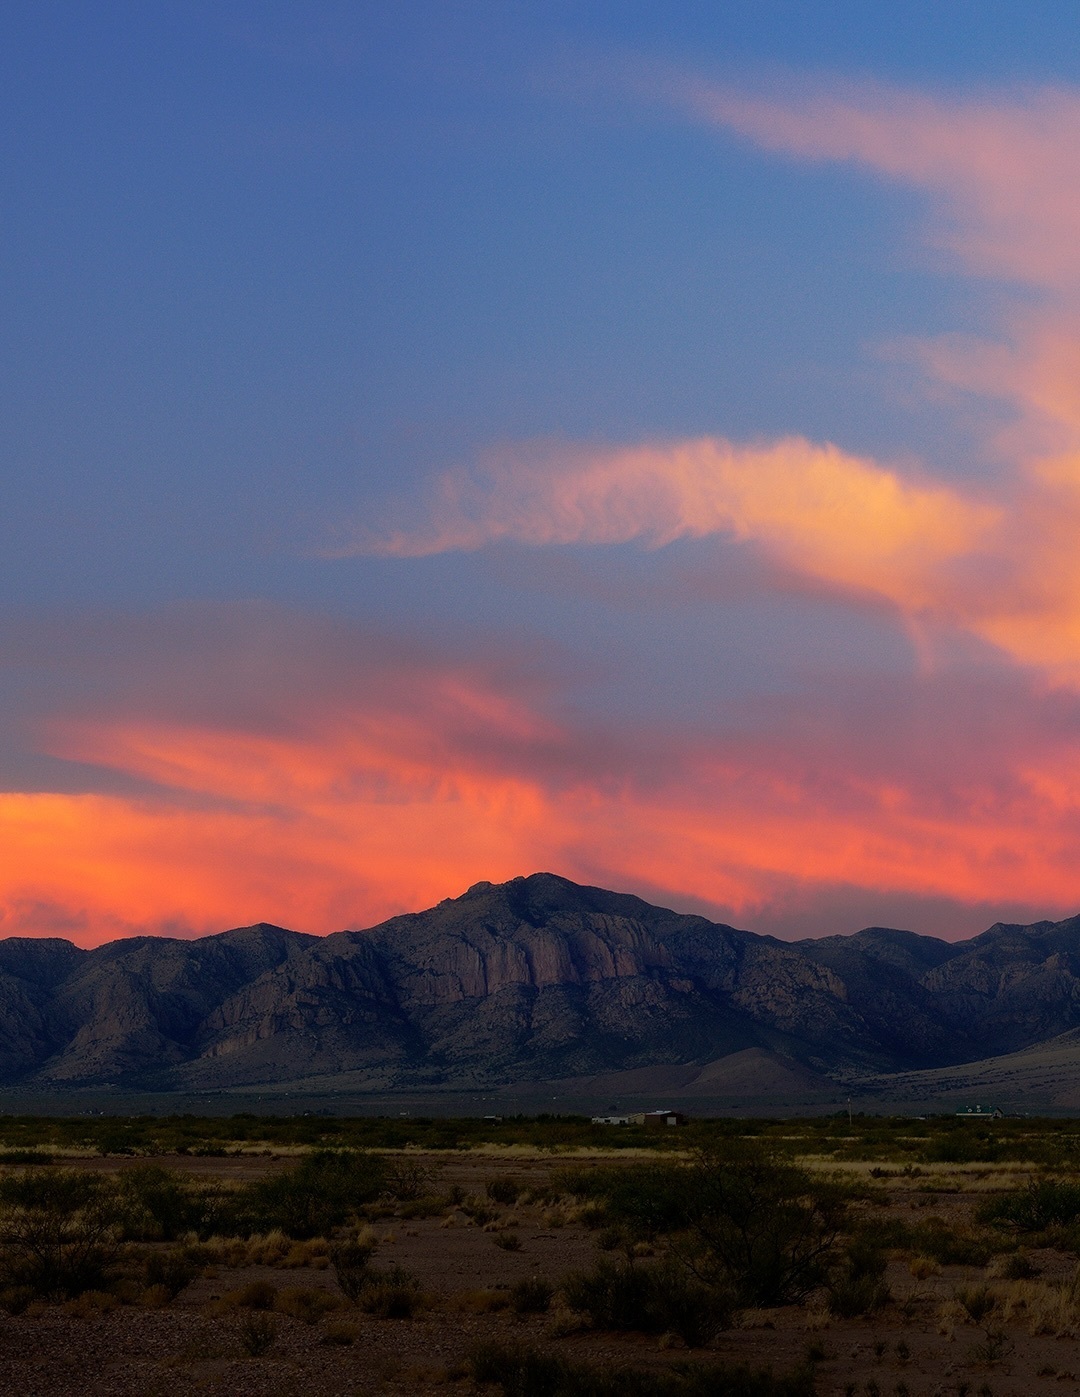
1042	1308
306	1303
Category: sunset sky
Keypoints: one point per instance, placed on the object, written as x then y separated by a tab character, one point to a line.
442	441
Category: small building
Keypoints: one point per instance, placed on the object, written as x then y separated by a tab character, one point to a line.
611	1120
981	1113
659	1120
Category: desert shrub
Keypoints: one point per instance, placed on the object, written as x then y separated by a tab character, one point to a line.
314	1252
961	1145
977	1301
308	1305
740	1218
351	1261
949	1245
508	1241
531	1296
649	1299
156	1205
313	1198
58	1233
171	1269
857	1285
256	1295
1019	1267
650	1197
407	1179
257	1332
480	1213
391	1294
503	1190
1043	1203
525	1372
428	1205
15	1298
267	1249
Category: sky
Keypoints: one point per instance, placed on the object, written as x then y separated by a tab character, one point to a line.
443	441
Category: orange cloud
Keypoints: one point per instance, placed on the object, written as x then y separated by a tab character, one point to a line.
1003	176
939	555
357	813
836	517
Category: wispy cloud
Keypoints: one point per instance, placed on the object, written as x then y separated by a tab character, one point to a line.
996	559
1001	168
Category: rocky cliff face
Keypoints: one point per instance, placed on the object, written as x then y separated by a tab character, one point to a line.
529	980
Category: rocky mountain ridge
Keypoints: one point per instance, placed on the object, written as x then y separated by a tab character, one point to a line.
527	981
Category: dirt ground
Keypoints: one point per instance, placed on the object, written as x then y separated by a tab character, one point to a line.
922	1343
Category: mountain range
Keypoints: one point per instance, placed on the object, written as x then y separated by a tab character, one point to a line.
537	980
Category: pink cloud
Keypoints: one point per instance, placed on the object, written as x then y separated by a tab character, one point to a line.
408	773
1001	169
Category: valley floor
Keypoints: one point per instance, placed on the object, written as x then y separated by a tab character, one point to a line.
923	1342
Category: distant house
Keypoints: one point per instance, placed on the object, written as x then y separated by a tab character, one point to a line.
657	1120
981	1113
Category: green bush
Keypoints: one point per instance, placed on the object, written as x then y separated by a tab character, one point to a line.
743	1220
649	1299
313	1198
961	1145
59	1233
1043	1203
157	1205
503	1190
351	1261
651	1197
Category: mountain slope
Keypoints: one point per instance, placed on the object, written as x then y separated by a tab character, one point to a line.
531	980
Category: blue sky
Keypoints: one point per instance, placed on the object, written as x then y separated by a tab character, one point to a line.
274	272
